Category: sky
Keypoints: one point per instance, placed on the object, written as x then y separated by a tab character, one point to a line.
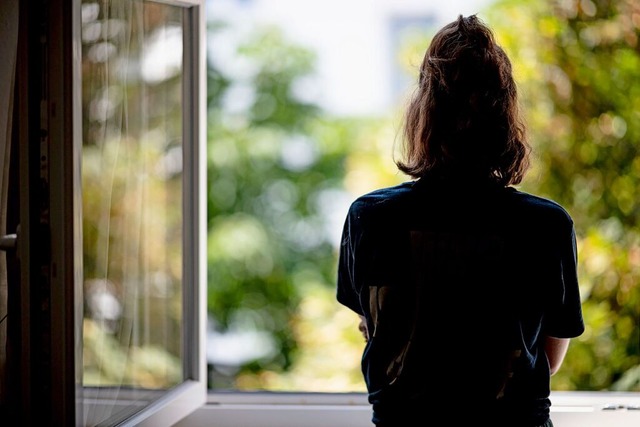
352	40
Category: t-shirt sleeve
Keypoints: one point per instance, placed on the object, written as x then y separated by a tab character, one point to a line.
564	319
348	293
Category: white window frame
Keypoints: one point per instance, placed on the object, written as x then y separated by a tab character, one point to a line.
265	409
62	111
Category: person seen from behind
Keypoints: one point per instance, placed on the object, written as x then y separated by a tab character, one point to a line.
466	287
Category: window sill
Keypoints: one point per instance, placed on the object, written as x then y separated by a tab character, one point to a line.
265	409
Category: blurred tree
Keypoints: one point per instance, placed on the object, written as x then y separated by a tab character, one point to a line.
131	178
275	185
578	67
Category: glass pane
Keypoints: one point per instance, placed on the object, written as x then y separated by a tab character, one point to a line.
132	96
302	120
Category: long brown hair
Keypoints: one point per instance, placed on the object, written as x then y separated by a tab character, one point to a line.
463	118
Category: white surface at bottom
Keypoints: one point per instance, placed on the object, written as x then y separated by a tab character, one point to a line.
570	409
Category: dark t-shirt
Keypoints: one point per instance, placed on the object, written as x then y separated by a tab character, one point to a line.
459	285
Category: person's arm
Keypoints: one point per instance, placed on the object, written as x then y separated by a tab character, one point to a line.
362	326
556	349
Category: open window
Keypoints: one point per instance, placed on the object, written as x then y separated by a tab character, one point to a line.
107	305
104	226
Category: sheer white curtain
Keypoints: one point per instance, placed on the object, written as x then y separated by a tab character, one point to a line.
132	117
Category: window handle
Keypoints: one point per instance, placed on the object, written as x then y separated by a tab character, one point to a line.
9	242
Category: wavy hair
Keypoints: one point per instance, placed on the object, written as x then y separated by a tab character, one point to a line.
463	118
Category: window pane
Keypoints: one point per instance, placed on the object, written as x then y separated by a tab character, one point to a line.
305	106
132	96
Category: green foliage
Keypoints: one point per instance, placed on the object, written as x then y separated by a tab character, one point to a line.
273	166
578	67
107	362
131	191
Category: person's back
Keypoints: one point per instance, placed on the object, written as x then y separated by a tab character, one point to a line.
460	277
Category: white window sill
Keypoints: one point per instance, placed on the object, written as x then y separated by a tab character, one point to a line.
570	409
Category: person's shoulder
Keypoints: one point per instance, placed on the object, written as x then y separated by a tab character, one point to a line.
382	198
541	207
